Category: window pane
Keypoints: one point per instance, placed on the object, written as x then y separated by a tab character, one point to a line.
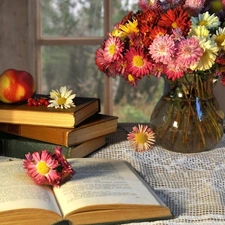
74	66
135	104
71	66
71	18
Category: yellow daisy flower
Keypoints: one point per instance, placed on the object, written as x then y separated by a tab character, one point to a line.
207	20
129	28
199	31
209	56
219	38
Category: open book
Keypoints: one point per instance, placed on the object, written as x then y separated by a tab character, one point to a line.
101	191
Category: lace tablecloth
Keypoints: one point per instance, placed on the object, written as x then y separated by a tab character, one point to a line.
191	185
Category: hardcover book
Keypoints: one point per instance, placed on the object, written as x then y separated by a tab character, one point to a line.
101	191
17	147
95	126
44	116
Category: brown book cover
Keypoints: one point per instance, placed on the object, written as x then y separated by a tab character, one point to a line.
95	126
44	116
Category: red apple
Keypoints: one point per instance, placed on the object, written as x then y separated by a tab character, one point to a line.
16	86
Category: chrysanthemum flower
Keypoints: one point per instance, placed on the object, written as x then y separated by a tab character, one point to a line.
130	27
158	69
47	168
62	98
188	52
41	166
162	49
208	58
147	4
131	79
219	38
199	31
174	71
113	49
207	20
100	60
194	6
137	62
176	18
142	138
66	171
216	6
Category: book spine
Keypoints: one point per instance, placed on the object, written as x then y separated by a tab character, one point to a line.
18	147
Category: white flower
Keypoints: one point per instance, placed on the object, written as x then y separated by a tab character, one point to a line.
207	20
62	98
199	31
219	38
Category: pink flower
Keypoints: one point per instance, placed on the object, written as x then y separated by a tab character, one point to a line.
137	62
47	168
113	49
173	72
141	138
162	49
194	6
188	52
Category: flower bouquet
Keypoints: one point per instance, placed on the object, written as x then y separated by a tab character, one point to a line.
184	42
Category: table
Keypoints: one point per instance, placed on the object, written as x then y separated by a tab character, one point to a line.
191	185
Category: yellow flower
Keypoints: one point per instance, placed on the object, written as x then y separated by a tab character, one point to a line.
219	38
129	28
199	31
209	56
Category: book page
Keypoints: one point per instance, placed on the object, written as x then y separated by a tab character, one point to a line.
18	190
99	181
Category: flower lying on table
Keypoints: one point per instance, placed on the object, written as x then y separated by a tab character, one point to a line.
141	138
48	168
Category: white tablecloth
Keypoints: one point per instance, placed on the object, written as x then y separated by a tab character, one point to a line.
191	185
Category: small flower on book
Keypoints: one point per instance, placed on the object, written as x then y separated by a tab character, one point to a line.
141	138
48	168
62	98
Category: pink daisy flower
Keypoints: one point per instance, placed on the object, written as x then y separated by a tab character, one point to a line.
47	168
100	60
41	166
188	52
141	138
113	49
137	62
162	49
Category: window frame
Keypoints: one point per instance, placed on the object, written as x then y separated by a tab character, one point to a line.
71	41
36	42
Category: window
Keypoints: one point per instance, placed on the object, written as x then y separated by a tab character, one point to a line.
68	34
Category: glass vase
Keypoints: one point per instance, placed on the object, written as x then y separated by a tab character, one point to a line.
187	118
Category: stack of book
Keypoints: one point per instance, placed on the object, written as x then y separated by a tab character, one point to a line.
79	131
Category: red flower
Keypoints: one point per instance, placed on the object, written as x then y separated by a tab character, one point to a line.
176	18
